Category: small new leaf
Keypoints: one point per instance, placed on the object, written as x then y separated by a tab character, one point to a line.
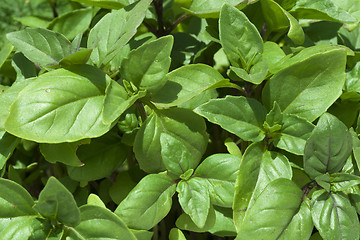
57	203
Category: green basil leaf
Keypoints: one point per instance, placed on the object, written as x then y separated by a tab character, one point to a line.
33	22
296	88
324	181
63	152
147	65
60	106
185	83
21	228
142	234
328	147
224	224
211	8
322	10
356	147
220	170
240	39
182	124
41	46
343	181
44	230
219	222
117	101
232	147
5	52
334	216
272	54
122	186
306	54
274	165
185	222
278	19
200	99
275	116
8	144
346	111
3	88
108	4
176	234
100	158
194	199
256	75
246	180
239	115
23	66
95	200
100	223
272	211
352	8
8	97
294	133
81	56
148	203
56	202
175	155
264	167
106	48
15	201
64	24
301	225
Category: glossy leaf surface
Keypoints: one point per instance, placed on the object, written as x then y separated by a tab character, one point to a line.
324	10
279	19
334	216
240	39
65	23
301	225
185	83
308	87
294	133
194	200
56	202
147	65
98	223
264	167
116	101
41	46
211	8
175	155
107	47
100	158
220	170
272	211
60	106
8	144
148	203
328	147
239	115
63	152
182	124
15	201
108	4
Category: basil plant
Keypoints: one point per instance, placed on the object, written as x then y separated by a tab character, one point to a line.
180	119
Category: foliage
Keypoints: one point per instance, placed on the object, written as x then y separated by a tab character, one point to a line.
179	119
